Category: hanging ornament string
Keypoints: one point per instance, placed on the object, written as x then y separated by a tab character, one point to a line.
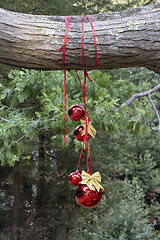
64	68
79	79
95	46
84	84
85	181
86	133
94	39
83	89
84	99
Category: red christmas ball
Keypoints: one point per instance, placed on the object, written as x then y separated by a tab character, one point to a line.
78	133
88	198
74	178
76	112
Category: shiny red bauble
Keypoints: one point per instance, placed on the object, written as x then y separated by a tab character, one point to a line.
76	112
88	198
74	178
78	133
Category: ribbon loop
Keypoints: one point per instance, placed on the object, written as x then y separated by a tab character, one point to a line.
86	74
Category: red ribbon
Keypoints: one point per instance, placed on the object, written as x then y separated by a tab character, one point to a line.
84	84
94	38
64	68
79	79
84	99
83	89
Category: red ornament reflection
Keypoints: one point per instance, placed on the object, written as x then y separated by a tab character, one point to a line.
76	112
74	178
88	198
78	133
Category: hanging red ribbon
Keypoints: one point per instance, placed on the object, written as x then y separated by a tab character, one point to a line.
79	79
84	99
82	43
94	39
83	89
84	84
64	68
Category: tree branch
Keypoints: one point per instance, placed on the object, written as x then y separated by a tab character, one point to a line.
5	120
147	3
18	140
157	114
124	39
142	94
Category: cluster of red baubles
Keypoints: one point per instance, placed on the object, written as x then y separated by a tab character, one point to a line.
76	112
85	196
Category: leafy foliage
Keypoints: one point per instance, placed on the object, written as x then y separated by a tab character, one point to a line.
31	103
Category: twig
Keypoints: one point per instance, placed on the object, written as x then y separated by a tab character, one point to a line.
147	3
18	140
29	108
7	128
50	155
139	95
142	94
157	114
50	119
5	120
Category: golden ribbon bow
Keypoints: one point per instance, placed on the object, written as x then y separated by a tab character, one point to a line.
90	180
90	128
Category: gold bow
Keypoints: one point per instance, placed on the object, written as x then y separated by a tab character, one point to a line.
90	129
90	180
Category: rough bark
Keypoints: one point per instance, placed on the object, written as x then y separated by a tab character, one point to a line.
124	39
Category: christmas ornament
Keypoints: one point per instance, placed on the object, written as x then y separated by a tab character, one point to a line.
79	133
74	178
88	197
76	112
88	193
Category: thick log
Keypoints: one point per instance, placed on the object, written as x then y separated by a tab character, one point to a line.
124	39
